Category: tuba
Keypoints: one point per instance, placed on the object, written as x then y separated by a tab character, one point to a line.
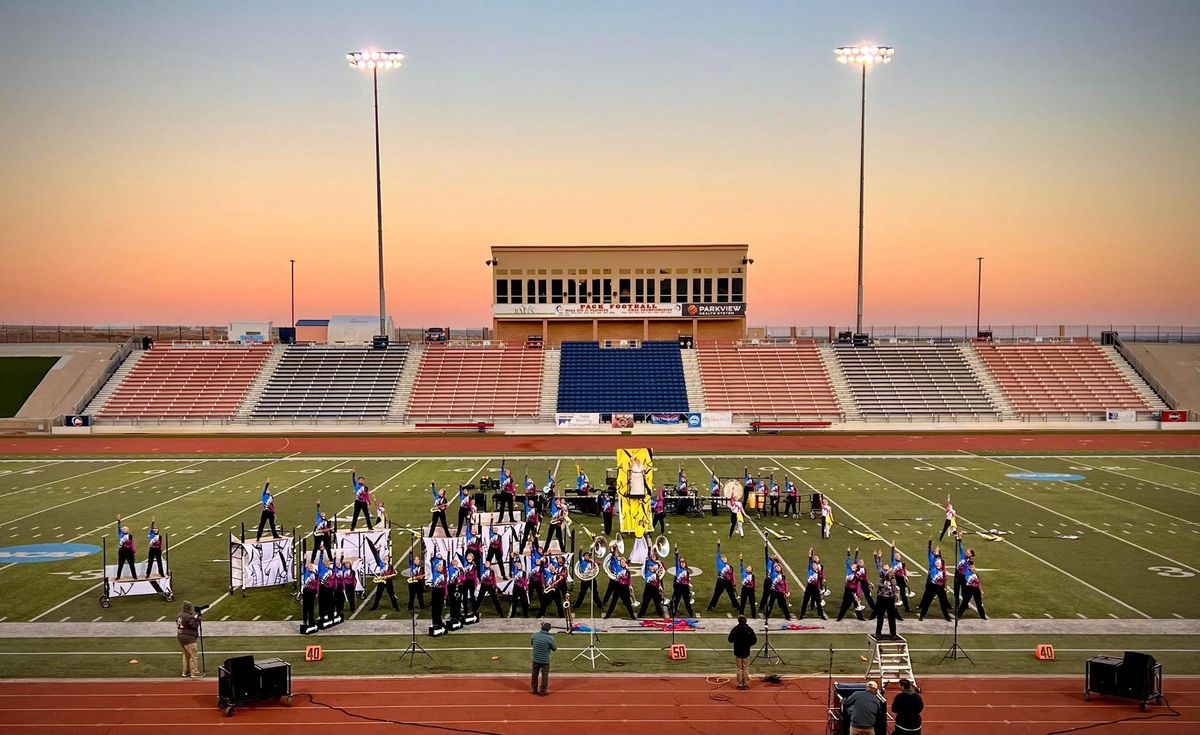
590	573
619	544
599	547
662	547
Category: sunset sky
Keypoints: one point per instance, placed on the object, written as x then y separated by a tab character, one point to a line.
161	162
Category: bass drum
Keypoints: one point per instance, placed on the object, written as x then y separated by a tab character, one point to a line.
732	489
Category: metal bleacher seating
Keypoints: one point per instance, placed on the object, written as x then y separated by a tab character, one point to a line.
768	380
186	380
647	378
332	381
477	382
917	381
1059	378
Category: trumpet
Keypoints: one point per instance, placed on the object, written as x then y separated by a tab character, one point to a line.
662	547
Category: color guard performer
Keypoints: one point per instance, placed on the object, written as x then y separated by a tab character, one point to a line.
532	521
864	582
850	593
935	584
900	570
440	503
951	520
971	590
681	587
747	596
724	581
583	485
826	518
126	550
520	587
658	505
268	512
155	554
620	593
965	555
812	587
652	574
308	595
736	518
362	500
322	535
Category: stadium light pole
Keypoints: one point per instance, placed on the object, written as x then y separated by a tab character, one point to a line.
978	295
373	61
864	56
293	262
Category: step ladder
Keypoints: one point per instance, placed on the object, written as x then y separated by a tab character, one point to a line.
890	661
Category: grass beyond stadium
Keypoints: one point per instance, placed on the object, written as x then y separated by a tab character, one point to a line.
1137	519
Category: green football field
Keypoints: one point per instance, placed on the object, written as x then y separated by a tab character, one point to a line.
1135	522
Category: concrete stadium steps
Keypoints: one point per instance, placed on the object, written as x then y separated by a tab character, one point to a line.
841	385
987	381
1152	399
551	363
110	386
260	382
398	410
697	399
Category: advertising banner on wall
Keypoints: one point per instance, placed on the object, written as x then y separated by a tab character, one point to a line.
564	420
695	420
622	421
1114	414
723	311
1173	417
717	419
665	418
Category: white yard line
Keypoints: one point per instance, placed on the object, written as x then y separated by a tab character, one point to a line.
1160	464
1135	477
1064	515
1030	554
1092	490
72	477
298	457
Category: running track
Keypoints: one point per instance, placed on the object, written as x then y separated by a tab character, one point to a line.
497	445
611	705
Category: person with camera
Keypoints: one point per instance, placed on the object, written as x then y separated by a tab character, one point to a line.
187	631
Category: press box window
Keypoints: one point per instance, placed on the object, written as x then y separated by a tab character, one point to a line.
502	292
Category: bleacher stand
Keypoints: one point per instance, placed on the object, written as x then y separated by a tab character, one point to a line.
1064	378
477	382
187	380
332	382
913	381
644	379
768	380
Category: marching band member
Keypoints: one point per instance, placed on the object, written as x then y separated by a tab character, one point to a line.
951	520
126	548
791	496
620	569
736	518
268	512
520	587
760	489
155	550
780	592
416	582
771	566
965	555
826	518
475	547
508	494
970	587
582	566
900	571
465	503
652	573
864	582
850	594
885	604
308	595
607	509
724	581
532	521
559	514
681	588
345	589
470	579
747	486
935	584
326	591
582	485
554	582
774	494
455	582
714	493
537	577
683	490
380	514
812	587
495	551
659	506
441	590
531	493
362	500
440	503
322	535
385	572
487	588
747	589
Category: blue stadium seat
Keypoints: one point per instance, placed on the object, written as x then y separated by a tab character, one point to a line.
648	379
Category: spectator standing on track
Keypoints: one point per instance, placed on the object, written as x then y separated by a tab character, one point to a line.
187	630
743	638
542	644
864	708
907	707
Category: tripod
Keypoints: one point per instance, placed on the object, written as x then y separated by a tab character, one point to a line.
767	650
591	653
413	647
671	612
956	651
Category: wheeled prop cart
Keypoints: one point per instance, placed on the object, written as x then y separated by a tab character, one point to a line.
242	681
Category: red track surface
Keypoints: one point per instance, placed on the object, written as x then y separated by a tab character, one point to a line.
500	445
577	705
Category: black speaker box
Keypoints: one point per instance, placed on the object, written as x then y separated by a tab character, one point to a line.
1135	675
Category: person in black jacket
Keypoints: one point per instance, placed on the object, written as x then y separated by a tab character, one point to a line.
743	638
907	707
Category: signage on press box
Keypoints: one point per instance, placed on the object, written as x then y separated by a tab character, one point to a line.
714	310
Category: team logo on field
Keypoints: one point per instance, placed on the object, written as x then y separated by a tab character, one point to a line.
38	553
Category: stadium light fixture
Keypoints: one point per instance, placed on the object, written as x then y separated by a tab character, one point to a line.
373	61
865	55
